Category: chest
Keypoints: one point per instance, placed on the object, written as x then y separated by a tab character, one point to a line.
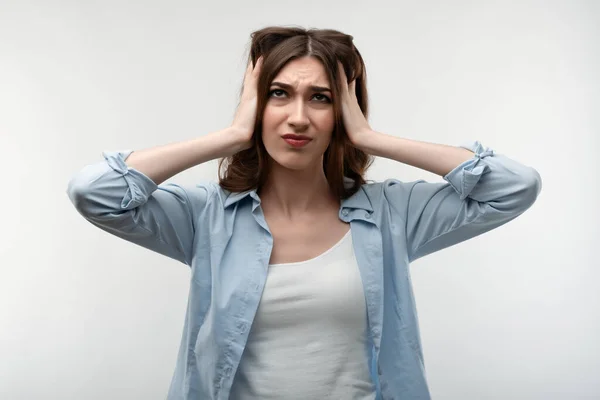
304	239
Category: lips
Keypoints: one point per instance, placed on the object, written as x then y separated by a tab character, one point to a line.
295	137
296	140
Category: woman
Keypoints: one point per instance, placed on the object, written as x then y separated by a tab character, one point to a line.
300	284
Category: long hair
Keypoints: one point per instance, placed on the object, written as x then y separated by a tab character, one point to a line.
248	169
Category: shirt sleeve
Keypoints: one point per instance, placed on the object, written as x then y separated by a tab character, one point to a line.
479	195
128	204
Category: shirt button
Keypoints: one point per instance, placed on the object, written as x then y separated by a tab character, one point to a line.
367	215
345	212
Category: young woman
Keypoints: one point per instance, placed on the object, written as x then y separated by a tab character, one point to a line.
300	284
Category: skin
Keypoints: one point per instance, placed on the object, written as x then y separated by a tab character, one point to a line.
299	207
296	180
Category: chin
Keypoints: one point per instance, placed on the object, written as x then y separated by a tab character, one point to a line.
295	161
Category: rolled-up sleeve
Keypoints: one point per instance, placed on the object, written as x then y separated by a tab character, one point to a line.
128	204
479	195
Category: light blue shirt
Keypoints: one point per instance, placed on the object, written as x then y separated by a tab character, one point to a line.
225	240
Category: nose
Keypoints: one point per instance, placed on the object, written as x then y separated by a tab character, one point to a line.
298	118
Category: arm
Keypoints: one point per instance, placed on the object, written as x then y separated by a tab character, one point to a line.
436	158
484	190
163	162
121	194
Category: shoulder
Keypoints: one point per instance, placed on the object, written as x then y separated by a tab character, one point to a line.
387	198
389	189
212	191
216	196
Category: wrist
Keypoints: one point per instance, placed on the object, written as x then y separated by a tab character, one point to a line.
241	139
364	140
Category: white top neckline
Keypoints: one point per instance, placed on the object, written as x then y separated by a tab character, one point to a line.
326	252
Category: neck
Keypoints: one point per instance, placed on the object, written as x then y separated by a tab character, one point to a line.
293	192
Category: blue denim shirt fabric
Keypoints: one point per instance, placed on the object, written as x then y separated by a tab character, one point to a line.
224	239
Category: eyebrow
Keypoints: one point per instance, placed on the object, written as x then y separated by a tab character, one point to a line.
313	88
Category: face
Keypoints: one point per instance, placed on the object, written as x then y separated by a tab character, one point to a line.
298	120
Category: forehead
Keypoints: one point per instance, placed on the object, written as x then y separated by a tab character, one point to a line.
303	71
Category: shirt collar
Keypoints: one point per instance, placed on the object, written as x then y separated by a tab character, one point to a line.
358	200
235	197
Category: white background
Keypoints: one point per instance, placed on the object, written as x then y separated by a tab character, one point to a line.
512	314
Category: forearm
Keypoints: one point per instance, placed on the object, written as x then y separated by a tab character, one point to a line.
162	162
436	158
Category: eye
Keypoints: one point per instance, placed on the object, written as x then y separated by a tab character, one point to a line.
276	93
323	98
280	93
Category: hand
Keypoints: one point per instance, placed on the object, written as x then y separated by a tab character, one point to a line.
355	122
245	116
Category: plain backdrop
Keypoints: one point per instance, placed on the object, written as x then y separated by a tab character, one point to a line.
512	314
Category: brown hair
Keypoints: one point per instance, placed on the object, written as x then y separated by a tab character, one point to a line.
246	170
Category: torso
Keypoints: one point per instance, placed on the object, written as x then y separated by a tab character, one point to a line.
312	310
306	238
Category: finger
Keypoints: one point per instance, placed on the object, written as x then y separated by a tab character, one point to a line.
258	65
343	77
352	88
248	69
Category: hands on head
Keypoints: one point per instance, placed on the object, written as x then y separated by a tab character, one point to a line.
245	118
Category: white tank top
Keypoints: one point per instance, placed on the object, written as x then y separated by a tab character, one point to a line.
309	337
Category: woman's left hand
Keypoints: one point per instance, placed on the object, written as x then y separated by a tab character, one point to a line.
355	122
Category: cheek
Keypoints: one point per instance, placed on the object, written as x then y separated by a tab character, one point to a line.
326	122
330	121
271	119
272	115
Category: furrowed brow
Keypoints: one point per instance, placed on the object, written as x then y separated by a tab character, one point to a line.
313	88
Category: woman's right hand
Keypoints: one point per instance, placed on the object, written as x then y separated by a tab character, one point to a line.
245	116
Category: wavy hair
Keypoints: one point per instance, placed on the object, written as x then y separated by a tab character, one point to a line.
248	169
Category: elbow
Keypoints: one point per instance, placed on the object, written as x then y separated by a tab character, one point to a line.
87	191
533	187
527	191
78	193
96	192
521	194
